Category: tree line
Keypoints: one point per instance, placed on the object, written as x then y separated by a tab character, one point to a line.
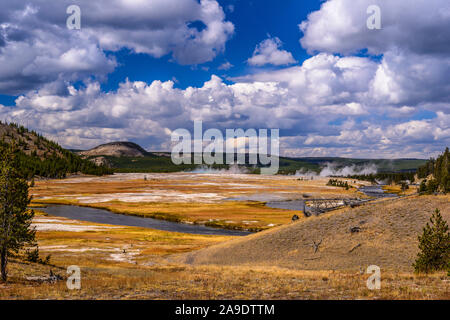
338	183
439	169
385	177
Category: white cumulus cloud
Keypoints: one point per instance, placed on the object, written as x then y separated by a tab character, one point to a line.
36	48
269	52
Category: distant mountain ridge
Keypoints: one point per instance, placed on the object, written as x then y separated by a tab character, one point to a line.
116	149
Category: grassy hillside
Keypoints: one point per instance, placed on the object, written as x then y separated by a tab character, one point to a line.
387	238
39	156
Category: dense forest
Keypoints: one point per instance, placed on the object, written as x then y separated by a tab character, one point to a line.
38	156
439	170
386	178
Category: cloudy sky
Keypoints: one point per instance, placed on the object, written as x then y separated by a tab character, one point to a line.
139	69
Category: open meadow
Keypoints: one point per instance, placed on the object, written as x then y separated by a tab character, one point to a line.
217	199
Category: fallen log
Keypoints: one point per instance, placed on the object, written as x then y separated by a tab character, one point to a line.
357	246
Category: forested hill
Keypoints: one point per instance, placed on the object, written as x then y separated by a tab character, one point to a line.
39	156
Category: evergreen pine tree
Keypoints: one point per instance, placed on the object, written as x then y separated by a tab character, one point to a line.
15	218
434	245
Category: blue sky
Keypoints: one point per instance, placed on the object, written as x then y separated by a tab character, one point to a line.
138	70
254	21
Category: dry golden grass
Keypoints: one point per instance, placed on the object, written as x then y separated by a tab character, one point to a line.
219	282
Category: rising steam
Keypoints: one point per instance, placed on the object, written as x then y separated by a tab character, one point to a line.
332	169
233	169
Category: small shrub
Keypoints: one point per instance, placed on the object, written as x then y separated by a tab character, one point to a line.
423	186
47	259
32	255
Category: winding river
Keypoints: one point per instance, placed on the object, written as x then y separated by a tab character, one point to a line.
107	217
376	191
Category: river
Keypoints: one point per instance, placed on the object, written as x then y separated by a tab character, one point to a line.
108	217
